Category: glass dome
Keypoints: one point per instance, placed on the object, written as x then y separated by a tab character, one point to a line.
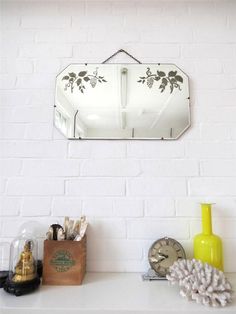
31	227
23	276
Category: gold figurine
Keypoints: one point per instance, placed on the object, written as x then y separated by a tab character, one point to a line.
25	268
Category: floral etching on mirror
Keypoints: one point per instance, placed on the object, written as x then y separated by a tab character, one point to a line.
173	80
80	79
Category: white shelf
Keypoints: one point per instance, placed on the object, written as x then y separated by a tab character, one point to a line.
108	293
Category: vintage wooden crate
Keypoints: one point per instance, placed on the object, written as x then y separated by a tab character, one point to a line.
64	262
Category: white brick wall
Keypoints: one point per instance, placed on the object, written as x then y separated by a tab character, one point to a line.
132	192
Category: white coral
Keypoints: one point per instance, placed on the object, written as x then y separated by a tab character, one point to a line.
201	282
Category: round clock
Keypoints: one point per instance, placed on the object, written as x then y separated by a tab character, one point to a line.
163	253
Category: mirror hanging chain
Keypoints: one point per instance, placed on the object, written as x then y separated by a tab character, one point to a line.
119	51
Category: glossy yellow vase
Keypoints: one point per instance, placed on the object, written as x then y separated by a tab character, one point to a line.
208	246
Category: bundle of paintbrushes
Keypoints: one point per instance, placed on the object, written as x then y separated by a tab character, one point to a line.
72	230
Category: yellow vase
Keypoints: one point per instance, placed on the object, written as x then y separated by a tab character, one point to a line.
208	246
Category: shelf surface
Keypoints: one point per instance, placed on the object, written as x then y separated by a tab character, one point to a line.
108	293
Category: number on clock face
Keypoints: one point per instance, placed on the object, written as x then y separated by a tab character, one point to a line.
163	253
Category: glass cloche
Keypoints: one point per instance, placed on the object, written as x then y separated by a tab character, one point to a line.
23	276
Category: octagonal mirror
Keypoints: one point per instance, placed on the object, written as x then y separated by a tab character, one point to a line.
122	101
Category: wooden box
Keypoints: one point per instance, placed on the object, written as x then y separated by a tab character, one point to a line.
64	262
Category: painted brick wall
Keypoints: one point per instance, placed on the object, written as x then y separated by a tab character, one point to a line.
132	192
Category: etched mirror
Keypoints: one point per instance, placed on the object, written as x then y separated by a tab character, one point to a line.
122	101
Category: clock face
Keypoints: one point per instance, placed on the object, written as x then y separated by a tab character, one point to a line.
163	253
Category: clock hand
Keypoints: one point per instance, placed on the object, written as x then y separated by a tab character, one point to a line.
156	261
163	255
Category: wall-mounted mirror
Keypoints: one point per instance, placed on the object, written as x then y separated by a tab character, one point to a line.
122	101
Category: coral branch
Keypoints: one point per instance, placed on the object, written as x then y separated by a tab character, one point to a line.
201	282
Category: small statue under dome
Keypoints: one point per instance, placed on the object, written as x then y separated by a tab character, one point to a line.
25	269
